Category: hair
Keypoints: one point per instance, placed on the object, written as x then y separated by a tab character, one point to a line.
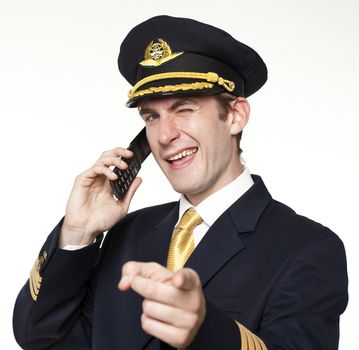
224	100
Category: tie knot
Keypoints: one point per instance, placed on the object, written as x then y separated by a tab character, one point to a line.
190	219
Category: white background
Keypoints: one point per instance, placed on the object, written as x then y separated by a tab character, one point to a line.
62	104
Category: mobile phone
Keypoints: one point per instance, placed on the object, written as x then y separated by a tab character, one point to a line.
141	149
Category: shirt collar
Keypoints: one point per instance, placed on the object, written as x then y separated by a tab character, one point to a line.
213	206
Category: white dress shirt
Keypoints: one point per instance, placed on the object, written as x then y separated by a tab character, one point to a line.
211	208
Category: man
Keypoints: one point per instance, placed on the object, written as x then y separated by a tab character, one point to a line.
226	267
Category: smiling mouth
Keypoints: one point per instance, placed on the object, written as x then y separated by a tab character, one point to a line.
182	154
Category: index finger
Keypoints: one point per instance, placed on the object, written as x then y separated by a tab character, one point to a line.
150	270
118	152
186	279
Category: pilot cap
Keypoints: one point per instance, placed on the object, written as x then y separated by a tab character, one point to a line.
167	56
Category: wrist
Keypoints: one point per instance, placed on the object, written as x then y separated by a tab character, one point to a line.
74	236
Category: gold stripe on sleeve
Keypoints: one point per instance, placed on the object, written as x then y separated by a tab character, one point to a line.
256	342
249	340
251	345
262	344
243	337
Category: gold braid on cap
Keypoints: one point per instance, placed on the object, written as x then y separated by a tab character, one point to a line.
210	79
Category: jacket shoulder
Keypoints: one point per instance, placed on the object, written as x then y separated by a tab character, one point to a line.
283	220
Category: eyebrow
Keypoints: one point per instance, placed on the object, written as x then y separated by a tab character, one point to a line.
173	107
145	110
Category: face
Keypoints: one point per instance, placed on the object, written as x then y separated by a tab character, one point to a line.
196	150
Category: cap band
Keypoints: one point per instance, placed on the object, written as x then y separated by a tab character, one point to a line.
210	77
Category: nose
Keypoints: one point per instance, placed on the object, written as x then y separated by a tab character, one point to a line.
168	131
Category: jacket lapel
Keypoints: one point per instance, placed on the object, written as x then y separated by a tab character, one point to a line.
223	239
154	246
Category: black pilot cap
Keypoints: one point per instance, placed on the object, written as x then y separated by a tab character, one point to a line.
179	56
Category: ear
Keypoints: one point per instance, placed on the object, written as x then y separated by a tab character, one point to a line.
240	110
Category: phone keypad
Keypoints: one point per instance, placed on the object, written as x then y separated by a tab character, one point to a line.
141	149
125	177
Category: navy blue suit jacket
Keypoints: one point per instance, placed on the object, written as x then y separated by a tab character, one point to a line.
281	275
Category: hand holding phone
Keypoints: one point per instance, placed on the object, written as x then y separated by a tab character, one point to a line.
141	149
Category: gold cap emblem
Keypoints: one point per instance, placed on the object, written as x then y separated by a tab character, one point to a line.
158	52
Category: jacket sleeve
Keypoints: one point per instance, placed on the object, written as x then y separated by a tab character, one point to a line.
54	308
302	311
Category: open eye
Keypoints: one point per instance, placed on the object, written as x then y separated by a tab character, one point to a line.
150	117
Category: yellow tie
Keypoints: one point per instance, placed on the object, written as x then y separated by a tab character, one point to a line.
182	243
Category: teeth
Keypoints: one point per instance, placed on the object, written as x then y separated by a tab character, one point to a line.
182	154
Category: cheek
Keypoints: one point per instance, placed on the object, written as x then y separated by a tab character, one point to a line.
154	146
198	128
150	134
218	143
216	134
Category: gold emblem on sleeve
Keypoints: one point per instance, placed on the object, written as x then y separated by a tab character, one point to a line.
35	279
